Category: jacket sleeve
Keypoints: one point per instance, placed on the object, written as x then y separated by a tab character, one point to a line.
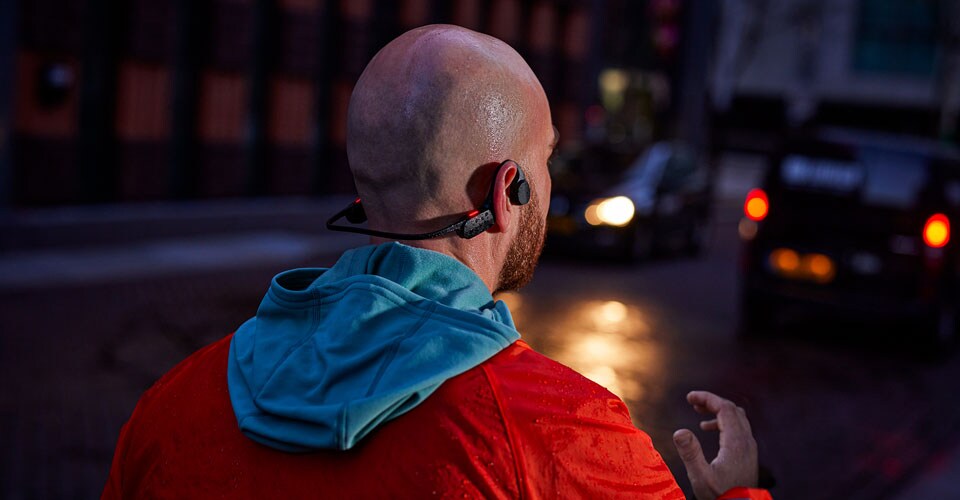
746	494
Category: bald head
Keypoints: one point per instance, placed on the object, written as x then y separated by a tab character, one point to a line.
432	107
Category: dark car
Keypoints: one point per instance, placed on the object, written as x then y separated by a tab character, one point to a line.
659	203
854	222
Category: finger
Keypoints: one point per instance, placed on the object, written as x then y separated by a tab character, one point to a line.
708	400
688	447
710	425
735	432
726	412
731	420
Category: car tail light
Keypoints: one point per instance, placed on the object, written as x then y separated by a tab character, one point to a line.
936	232
757	205
785	261
819	267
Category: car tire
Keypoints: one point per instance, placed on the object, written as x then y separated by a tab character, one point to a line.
757	314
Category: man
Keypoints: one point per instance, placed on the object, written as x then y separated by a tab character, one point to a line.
395	373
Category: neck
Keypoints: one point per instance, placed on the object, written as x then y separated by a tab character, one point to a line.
477	253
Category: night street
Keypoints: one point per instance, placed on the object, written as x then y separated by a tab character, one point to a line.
852	417
755	198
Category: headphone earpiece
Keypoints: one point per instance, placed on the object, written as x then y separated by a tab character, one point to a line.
519	188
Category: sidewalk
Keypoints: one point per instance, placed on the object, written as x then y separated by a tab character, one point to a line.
87	226
76	246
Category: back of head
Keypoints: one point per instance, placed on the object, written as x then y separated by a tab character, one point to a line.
432	107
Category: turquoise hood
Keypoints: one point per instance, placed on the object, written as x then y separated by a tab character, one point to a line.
334	353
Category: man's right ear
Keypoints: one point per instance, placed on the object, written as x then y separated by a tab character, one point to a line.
505	192
519	187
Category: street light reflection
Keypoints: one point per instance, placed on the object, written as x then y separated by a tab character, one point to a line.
610	314
608	341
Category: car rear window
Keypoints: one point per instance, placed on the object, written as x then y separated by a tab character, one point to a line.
893	179
880	177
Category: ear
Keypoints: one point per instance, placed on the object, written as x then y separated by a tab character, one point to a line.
504	211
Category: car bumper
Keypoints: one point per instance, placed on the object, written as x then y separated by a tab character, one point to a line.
846	302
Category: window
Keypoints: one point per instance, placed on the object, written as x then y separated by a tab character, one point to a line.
897	37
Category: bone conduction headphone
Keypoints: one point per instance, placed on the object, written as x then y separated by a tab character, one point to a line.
470	225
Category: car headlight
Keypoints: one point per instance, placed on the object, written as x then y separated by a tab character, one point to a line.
617	211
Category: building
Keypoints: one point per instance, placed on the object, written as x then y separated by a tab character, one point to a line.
892	65
143	100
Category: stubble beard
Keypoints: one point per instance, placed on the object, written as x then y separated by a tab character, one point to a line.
525	249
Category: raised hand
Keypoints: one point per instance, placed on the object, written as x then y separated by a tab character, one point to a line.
735	463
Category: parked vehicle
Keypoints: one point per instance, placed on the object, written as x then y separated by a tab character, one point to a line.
857	223
660	203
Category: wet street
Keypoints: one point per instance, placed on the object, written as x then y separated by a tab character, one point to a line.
842	412
839	410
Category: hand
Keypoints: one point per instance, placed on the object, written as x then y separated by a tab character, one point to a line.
736	462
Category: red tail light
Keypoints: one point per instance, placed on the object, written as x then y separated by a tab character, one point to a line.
757	205
936	232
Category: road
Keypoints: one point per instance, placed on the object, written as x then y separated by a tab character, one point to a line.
845	411
840	411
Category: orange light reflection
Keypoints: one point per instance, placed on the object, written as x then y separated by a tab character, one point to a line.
607	341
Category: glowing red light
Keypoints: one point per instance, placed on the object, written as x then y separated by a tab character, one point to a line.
936	232
757	206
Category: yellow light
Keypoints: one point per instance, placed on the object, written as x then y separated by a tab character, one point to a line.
616	211
613	80
820	267
591	215
599	348
785	261
936	232
756	208
603	376
757	205
613	311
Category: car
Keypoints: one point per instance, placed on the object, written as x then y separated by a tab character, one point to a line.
659	203
856	223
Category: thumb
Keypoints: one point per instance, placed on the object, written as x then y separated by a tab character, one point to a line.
688	446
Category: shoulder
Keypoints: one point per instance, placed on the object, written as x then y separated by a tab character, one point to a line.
539	384
189	402
203	370
572	437
194	390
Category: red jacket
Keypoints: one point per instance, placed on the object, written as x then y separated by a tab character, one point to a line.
517	426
